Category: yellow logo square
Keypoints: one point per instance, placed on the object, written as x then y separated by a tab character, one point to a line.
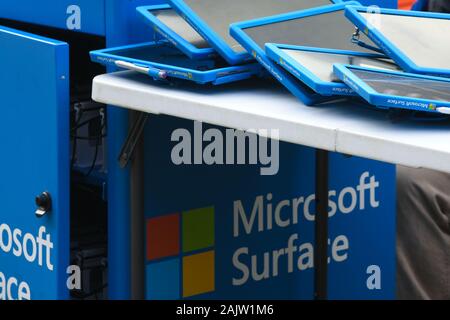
198	274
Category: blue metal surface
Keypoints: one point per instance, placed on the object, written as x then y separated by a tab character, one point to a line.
167	33
344	72
87	16
377	36
277	54
34	88
122	28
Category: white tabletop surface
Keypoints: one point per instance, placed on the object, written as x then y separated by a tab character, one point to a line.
341	127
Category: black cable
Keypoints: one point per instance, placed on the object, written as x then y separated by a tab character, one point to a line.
98	138
97	147
74	151
74	146
86	109
93	137
82	124
89	138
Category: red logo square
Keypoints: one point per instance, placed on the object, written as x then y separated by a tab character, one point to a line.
163	237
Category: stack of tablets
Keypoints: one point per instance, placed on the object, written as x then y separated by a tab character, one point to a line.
418	43
393	59
181	53
194	42
318	49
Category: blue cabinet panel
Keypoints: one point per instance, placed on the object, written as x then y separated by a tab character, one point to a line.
86	16
34	158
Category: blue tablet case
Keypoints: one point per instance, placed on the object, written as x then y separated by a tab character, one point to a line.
217	42
295	86
383	100
353	14
162	61
192	51
328	88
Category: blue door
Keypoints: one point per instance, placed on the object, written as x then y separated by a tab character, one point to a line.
34	166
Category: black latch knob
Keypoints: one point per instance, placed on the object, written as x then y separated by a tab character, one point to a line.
44	204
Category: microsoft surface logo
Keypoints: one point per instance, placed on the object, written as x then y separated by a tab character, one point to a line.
180	255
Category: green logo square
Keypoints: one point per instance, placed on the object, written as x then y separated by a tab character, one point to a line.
198	229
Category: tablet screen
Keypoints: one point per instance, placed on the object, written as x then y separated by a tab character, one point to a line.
321	63
426	41
167	55
398	85
328	30
176	23
220	14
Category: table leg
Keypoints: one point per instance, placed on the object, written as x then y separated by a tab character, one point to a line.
321	226
137	217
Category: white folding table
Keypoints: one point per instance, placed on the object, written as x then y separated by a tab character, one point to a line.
349	128
338	127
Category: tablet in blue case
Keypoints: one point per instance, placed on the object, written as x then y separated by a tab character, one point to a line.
162	61
171	26
417	41
392	89
212	18
314	66
324	27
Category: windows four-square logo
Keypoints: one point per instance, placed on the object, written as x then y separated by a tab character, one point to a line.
180	255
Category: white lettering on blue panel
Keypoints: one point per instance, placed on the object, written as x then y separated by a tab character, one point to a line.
74	18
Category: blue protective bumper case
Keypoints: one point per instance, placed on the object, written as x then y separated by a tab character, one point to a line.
295	86
385	101
175	39
161	60
352	13
276	53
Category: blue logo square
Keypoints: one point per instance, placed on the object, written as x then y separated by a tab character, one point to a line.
163	280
